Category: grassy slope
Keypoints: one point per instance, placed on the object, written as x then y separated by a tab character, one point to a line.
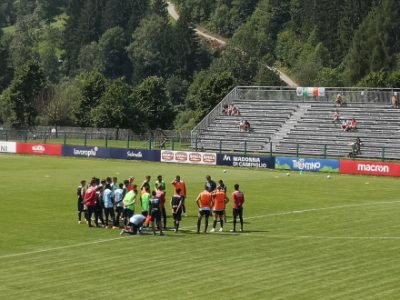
292	248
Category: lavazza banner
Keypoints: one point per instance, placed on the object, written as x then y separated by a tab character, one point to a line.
369	168
184	157
246	161
8	147
84	151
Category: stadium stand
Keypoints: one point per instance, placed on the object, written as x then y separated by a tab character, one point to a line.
303	126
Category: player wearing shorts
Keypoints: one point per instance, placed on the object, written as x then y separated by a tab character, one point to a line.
178	183
129	203
160	194
118	204
176	206
90	203
108	202
204	202
220	199
238	200
145	201
155	212
80	192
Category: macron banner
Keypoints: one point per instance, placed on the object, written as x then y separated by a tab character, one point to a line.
245	161
184	157
39	149
369	168
84	151
135	154
8	147
306	164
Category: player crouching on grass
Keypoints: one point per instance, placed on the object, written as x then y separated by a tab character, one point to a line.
204	202
220	200
135	223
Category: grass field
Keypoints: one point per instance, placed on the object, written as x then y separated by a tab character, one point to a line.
306	237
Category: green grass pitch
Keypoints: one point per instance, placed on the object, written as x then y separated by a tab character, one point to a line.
306	237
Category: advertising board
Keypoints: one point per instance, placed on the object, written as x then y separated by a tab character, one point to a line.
369	168
307	164
84	151
245	161
39	149
135	154
185	157
8	147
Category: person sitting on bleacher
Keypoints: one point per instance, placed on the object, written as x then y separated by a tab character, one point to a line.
336	116
353	124
345	125
225	110
241	125
247	126
339	100
395	101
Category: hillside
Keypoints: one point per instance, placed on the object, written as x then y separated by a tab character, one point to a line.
127	64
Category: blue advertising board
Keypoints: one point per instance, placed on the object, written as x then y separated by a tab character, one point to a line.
135	154
84	151
307	164
245	161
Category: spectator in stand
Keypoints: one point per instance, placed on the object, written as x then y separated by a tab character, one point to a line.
395	101
353	124
355	148
225	110
345	125
247	126
336	116
358	144
241	125
339	100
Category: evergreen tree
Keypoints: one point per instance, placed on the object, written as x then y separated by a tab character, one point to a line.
19	99
113	57
91	88
151	101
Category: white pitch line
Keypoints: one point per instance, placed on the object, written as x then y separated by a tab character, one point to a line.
319	237
59	248
322	208
253	217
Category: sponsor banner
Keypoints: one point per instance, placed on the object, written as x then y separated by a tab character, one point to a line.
8	147
135	154
369	168
84	151
184	157
307	164
245	161
39	149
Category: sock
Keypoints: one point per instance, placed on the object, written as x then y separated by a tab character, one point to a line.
215	224
222	223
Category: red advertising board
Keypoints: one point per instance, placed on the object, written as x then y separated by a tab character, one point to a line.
369	168
39	149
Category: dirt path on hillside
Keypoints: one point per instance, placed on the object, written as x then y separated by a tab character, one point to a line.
219	43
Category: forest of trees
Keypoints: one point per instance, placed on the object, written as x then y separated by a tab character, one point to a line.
126	64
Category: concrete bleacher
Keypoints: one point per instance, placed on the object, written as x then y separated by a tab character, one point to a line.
316	133
287	121
265	118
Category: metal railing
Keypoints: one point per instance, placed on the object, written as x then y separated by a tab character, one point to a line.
296	149
100	138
